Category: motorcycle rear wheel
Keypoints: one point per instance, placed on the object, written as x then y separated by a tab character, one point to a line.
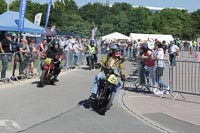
42	78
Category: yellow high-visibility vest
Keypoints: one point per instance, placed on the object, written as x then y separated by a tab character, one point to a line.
92	50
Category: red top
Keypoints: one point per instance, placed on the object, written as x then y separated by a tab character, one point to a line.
149	62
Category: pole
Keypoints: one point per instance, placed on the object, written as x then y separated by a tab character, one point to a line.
8	5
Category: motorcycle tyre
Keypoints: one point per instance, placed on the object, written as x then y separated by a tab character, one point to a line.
103	110
42	78
90	62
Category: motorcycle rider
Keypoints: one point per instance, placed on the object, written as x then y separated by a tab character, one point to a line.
113	60
56	54
92	49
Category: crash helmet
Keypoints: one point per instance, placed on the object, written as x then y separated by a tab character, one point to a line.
56	42
115	49
91	41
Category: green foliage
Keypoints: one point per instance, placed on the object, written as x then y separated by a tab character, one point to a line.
121	17
3	6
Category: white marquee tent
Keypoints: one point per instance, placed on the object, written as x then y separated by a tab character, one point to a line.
160	37
115	36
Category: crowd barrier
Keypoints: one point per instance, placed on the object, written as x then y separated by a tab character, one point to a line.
183	78
12	72
8	59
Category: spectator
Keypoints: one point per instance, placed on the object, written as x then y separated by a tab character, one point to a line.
149	61
173	52
23	50
159	67
30	58
65	53
6	51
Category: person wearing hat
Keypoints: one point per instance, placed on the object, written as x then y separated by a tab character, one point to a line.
6	51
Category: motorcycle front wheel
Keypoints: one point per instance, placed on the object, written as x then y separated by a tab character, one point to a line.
42	78
90	62
104	105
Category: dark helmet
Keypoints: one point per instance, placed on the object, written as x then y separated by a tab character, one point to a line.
115	50
56	42
91	41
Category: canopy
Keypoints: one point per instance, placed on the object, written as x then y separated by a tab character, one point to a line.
115	36
142	37
9	22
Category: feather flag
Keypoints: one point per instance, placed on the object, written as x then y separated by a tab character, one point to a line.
38	18
22	14
51	2
94	30
48	12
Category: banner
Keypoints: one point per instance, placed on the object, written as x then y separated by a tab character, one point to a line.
22	14
53	28
48	12
38	18
94	30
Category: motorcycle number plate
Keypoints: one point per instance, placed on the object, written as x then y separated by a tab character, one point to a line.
112	79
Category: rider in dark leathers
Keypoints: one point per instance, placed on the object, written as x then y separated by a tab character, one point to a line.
56	53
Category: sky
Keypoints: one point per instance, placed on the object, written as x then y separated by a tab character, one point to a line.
190	5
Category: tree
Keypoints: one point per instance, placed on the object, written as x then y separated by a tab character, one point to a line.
3	6
195	16
140	20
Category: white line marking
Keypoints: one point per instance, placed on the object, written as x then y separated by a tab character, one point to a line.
138	96
9	124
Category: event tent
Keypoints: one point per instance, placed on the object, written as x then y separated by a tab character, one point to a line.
115	36
9	20
142	37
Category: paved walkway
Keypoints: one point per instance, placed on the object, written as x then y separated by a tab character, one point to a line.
179	115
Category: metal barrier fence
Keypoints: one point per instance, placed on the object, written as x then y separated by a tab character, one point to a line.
12	67
6	64
184	77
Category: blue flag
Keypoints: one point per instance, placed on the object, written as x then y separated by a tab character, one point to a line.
48	12
22	14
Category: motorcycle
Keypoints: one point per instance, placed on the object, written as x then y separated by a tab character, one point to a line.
47	75
106	90
91	61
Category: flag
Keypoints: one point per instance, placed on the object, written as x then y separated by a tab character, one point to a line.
94	30
38	18
48	12
22	14
53	28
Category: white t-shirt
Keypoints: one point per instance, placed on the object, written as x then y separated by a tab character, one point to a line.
173	49
159	62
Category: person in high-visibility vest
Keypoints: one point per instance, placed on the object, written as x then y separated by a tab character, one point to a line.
92	49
